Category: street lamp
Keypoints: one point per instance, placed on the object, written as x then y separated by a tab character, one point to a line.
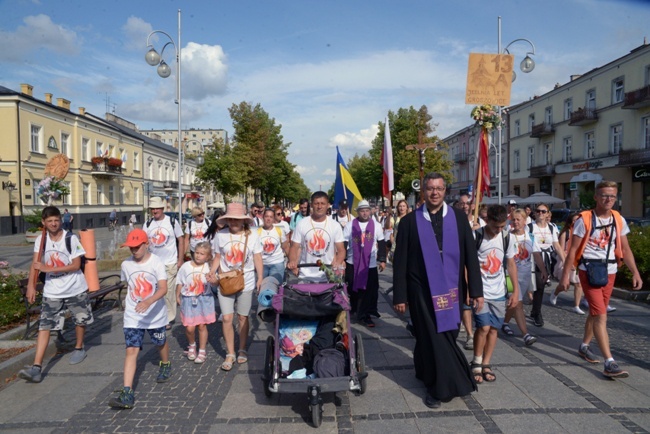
526	66
154	59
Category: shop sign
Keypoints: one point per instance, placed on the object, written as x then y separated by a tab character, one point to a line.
581	166
641	174
573	186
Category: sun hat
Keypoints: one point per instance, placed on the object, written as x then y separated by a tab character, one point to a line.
235	210
135	238
156	202
512	202
363	205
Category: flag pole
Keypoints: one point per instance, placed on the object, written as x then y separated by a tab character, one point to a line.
478	190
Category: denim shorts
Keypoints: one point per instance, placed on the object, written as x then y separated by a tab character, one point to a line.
134	337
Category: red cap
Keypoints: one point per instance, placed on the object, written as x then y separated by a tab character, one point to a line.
136	238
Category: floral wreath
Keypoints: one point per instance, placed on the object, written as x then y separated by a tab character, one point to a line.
52	187
487	117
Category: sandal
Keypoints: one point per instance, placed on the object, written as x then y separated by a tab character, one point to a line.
227	364
488	374
242	356
200	358
191	352
477	372
507	330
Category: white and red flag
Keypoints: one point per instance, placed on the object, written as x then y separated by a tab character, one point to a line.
388	181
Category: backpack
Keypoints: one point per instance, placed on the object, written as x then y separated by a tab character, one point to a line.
329	363
68	246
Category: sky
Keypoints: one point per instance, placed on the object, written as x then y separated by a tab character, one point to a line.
328	71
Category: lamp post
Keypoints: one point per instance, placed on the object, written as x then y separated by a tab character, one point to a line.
154	59
526	66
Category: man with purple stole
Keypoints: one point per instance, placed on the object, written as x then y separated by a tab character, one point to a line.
435	267
366	253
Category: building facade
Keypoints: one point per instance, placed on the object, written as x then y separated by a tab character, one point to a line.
195	139
595	127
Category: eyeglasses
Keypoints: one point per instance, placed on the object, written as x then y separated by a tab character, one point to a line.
278	213
607	196
541	211
438	189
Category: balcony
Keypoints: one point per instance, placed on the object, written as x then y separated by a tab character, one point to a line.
583	117
103	170
637	157
637	99
170	185
196	188
542	171
460	157
542	130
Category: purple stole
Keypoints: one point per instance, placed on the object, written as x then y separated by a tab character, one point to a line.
361	252
441	267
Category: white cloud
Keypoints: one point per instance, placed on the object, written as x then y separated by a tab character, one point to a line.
305	170
38	33
204	70
361	141
329	172
136	31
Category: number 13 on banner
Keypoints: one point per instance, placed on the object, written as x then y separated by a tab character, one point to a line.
489	78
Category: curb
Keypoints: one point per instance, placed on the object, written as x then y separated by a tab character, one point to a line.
10	367
626	294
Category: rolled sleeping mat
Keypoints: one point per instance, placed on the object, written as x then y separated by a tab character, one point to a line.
87	239
268	289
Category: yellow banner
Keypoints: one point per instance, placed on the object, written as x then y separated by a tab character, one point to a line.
489	78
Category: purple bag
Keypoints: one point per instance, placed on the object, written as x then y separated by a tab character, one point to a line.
309	300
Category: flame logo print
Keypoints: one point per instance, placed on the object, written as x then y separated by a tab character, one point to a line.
492	264
142	288
522	253
600	241
235	256
268	246
196	286
158	238
55	261
198	234
316	245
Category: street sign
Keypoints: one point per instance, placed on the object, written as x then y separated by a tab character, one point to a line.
489	79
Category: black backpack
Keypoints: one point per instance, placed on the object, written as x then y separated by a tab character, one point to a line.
329	363
173	222
68	246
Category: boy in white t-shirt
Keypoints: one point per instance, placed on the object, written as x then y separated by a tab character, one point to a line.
65	288
144	310
494	247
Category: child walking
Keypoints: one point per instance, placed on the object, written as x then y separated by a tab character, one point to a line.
194	296
144	310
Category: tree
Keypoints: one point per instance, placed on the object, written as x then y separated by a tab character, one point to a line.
222	169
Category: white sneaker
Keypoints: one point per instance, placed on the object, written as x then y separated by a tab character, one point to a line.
577	310
553	299
610	308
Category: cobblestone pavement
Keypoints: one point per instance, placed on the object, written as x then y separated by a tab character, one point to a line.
543	388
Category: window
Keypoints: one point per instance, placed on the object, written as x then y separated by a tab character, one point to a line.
463	175
590	145
615	139
531	157
548	157
646	132
166	178
123	157
568	108
86	194
646	80
590	102
111	194
84	149
516	163
100	194
65	148
618	90
567	151
136	193
122	195
66	197
517	127
531	122
150	170
517	190
35	143
100	149
160	173
111	151
548	116
531	189
136	161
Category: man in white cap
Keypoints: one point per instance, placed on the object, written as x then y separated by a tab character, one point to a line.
512	205
366	254
166	242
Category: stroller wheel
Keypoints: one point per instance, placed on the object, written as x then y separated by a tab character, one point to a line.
268	365
316	406
360	364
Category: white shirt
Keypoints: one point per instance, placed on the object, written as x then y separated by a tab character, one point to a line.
317	241
162	239
142	282
596	247
544	237
197	232
284	226
193	279
525	246
490	258
61	285
271	241
379	236
231	249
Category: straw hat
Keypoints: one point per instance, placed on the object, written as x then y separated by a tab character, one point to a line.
363	205
156	202
236	211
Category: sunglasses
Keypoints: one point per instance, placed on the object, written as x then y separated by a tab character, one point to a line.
278	213
541	211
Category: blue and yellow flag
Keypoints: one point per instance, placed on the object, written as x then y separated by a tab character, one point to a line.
344	186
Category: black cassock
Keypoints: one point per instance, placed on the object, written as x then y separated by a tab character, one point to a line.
439	363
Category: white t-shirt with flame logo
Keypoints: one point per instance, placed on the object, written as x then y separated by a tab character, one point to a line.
61	285
162	239
231	249
142	282
271	241
490	258
317	241
193	279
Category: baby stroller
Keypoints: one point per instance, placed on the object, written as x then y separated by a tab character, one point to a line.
312	349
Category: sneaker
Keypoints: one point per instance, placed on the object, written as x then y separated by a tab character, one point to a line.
576	309
469	343
78	356
538	320
585	353
125	400
610	308
613	371
368	322
165	372
584	303
31	374
529	340
553	299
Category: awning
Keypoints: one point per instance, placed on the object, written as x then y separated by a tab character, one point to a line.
587	177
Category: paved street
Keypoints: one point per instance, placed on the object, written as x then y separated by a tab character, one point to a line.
543	388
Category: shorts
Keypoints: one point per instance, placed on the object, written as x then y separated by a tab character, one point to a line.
244	302
53	311
492	314
134	337
598	298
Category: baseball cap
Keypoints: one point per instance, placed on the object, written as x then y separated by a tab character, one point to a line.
512	202
343	204
136	238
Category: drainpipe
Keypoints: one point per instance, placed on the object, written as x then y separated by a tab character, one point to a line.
20	170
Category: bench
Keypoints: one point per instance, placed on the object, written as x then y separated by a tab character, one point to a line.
107	285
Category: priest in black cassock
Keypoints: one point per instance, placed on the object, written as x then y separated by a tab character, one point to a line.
435	266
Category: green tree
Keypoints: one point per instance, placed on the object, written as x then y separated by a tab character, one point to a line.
222	169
